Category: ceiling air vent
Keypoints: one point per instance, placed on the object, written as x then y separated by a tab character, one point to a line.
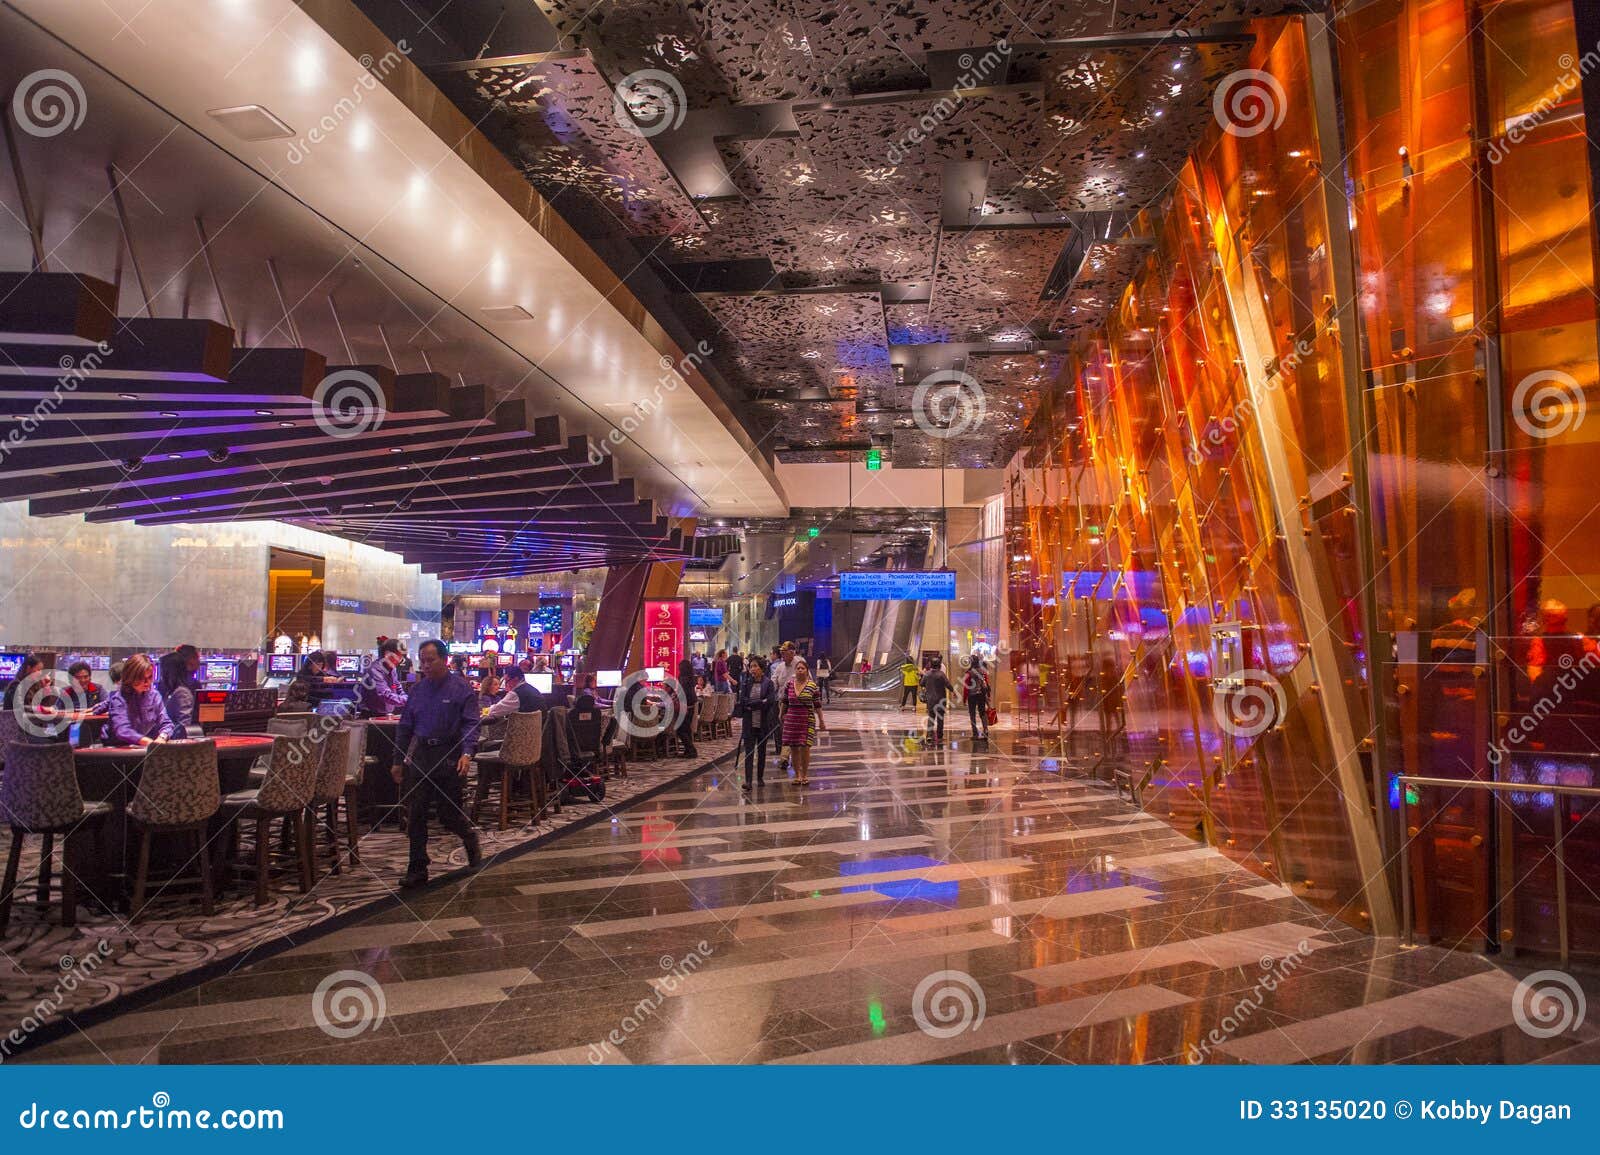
507	313
251	122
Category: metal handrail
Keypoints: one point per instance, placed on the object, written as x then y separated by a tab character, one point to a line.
1559	847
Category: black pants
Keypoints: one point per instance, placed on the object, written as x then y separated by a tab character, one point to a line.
430	780
978	712
754	742
936	712
777	734
908	694
686	734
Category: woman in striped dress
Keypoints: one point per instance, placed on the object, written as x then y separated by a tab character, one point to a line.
802	719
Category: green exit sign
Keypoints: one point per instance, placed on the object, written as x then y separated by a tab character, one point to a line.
813	532
874	458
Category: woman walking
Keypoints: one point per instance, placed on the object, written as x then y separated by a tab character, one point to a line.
802	719
758	707
975	686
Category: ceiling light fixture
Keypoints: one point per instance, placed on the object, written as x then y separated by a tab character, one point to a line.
250	122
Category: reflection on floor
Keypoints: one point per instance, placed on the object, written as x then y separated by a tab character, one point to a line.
966	905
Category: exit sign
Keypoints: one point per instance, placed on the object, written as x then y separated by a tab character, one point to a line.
874	458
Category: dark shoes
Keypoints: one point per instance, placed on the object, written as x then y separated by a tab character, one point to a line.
474	852
414	880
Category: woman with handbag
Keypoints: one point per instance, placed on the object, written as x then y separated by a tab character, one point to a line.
802	718
975	687
758	706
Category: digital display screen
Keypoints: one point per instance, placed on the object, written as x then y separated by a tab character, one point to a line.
937	585
222	670
280	663
11	665
705	616
507	658
607	679
347	664
547	619
655	674
544	683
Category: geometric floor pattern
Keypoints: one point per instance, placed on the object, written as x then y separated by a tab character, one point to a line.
964	905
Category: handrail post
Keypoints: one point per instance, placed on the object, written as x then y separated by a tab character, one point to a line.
1561	876
1407	935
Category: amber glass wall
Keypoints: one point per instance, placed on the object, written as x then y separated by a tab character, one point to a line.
1295	471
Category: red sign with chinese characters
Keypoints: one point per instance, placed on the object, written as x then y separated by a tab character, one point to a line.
665	628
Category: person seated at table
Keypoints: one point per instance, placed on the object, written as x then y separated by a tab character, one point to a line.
297	698
138	716
489	677
177	694
583	697
521	697
90	695
381	694
114	675
33	692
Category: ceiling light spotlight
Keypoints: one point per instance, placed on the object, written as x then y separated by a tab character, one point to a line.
218	455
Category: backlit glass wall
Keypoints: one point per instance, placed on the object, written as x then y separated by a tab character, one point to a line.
1297	512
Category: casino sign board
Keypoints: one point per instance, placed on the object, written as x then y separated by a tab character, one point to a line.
938	585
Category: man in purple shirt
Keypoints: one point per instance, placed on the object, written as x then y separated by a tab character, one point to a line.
381	694
441	715
136	714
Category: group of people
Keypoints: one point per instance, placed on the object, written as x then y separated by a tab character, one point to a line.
148	700
930	685
779	699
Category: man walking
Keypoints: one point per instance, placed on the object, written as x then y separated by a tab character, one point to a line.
781	673
936	689
442	716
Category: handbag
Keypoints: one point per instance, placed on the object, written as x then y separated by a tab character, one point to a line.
991	716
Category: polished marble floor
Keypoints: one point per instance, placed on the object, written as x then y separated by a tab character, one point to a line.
964	905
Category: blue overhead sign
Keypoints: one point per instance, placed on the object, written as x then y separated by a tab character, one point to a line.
705	615
937	585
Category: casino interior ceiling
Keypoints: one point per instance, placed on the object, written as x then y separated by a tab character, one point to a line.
843	197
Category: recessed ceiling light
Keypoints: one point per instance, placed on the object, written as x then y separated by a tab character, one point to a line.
128	396
169	413
250	122
286	424
263	413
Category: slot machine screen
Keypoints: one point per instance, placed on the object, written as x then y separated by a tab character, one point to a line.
221	672
507	658
281	665
347	664
11	666
655	674
544	683
607	679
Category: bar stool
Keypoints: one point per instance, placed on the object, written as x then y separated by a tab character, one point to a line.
178	793
518	754
355	772
332	769
285	794
39	795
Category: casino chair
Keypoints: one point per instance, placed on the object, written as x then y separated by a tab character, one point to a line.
39	795
355	772
284	795
587	730
333	769
520	754
178	793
